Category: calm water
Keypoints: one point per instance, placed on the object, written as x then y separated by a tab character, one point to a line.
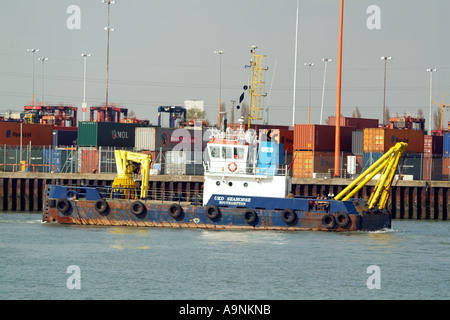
146	263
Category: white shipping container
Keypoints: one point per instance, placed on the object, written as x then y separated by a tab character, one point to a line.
145	138
176	163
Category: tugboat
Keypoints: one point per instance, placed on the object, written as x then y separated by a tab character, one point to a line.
244	188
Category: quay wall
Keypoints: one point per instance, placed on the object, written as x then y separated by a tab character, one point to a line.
418	200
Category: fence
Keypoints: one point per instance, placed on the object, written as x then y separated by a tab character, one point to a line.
102	160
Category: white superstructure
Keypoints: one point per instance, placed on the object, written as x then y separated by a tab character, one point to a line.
238	164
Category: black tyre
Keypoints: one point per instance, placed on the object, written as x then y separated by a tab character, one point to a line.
328	221
175	210
212	212
288	216
137	207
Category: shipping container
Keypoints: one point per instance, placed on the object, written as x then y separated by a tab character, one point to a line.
107	134
321	137
307	164
88	160
358	123
34	134
175	163
168	139
432	168
281	136
446	147
381	140
432	145
64	138
61	160
358	142
446	168
410	164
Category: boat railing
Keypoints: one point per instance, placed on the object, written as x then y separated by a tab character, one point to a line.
155	194
227	167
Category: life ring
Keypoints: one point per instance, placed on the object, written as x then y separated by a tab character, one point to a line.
101	206
250	216
232	166
137	207
63	205
328	221
212	212
342	219
288	216
175	210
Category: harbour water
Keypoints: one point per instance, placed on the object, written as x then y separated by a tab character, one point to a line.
52	261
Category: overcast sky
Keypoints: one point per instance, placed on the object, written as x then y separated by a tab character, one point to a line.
161	53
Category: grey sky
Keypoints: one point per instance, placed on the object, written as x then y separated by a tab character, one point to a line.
162	54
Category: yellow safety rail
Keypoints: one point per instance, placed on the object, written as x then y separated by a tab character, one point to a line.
387	164
126	163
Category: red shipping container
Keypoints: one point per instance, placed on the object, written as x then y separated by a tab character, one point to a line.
433	145
381	140
37	134
358	123
432	168
89	160
321	137
445	168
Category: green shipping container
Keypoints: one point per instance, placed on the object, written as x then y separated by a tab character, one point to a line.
106	134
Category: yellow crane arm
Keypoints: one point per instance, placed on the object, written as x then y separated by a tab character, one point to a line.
387	164
125	163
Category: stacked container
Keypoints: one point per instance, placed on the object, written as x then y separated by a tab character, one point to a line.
377	141
432	157
314	147
446	157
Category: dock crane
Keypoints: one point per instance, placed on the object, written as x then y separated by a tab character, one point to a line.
442	107
387	164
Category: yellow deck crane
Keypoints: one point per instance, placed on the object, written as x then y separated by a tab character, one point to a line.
387	164
129	163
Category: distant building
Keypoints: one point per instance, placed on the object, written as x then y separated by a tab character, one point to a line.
199	104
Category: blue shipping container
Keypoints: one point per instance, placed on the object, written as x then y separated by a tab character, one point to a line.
446	145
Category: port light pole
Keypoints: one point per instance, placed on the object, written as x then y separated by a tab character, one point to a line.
384	94
309	64
430	70
326	60
220	53
295	67
337	144
43	59
108	29
83	106
33	51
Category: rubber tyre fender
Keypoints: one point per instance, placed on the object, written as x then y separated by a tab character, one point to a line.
342	219
212	212
137	207
101	206
250	216
63	205
175	210
51	203
288	216
328	221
